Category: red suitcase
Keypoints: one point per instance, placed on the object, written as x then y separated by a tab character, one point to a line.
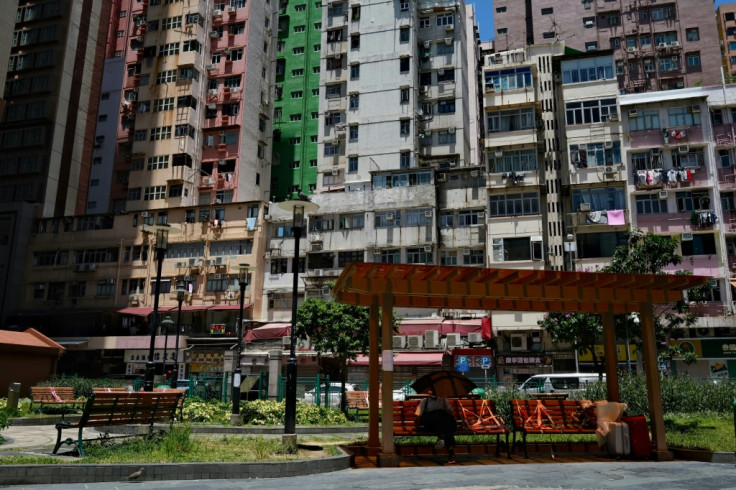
640	445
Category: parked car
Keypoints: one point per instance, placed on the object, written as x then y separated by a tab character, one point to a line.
558	383
310	396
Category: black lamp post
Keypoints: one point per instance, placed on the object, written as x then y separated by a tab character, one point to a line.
243	283
162	239
180	292
298	209
166	323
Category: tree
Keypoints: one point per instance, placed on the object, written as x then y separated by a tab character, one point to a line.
336	328
642	254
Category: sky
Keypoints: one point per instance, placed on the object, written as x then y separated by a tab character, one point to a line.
484	15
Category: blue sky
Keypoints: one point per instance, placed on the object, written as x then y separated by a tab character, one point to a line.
484	15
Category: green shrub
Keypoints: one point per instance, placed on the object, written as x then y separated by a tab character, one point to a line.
83	386
266	412
196	410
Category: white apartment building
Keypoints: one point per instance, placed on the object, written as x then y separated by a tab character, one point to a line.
394	147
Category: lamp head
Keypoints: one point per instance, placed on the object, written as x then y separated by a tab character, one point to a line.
167	321
243	274
162	238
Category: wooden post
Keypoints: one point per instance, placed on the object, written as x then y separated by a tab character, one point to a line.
654	394
373	377
609	349
387	457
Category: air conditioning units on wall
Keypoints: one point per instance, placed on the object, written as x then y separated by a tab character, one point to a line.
286	342
518	342
399	342
431	339
453	340
415	341
475	338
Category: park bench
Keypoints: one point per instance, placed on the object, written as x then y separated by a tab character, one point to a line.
107	409
550	417
54	395
358	404
180	408
473	415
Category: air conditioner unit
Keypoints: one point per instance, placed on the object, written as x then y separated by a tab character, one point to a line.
415	341
695	108
451	130
91	267
631	50
286	342
518	342
208	181
448	41
428	248
663	194
319	272
589	23
633	113
214	34
232	10
466	251
399	342
490	87
474	173
219	260
712	283
431	339
662	45
475	338
449	27
681	85
608	145
230	295
427	44
212	92
656	152
613	118
217	13
303	344
145	214
217	277
221	162
481	215
211	66
683	150
428	214
585	207
390	217
592	47
440	71
441	177
195	262
335	171
234	90
609	170
686	237
453	340
675	44
180	265
212	106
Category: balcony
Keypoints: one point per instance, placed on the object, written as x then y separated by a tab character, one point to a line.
725	135
669	223
599	220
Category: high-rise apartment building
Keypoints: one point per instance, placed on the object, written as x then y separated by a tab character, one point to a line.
51	92
394	146
726	15
657	45
296	104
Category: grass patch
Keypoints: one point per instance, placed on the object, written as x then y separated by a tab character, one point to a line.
710	432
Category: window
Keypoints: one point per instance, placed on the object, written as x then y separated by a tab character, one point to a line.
511	249
693	59
353	132
166	76
404	95
299	28
599	199
220	282
445	75
682	116
405	127
590	111
587	70
386	219
701	244
650	204
424	22
647	119
546	11
354	72
693	34
161	133
446	137
355	41
403	179
509	79
516	204
405	159
446	106
513	161
404	33
445	20
352	165
168	49
354	101
514	120
404	64
154	192
298	94
163	104
475	257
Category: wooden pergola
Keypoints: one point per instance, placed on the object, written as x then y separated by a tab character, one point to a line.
382	287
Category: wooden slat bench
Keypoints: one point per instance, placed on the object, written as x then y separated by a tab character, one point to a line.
164	390
549	417
105	409
473	418
358	404
54	395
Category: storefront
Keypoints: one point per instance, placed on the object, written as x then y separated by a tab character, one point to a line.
716	358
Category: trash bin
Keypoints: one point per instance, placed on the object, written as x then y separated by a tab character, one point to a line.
13	395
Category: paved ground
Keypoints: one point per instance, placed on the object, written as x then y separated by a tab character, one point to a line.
469	473
611	475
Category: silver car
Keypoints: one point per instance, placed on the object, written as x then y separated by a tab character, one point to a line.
310	396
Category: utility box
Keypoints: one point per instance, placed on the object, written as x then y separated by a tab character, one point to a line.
13	395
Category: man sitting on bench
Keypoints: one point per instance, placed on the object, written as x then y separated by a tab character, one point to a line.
435	415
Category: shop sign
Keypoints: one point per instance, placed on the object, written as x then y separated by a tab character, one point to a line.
141	355
620	353
533	360
473	358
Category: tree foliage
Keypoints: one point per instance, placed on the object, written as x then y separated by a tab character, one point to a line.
336	328
644	253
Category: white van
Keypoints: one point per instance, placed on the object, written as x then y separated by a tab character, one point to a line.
564	382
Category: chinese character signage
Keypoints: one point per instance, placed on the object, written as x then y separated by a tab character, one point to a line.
524	360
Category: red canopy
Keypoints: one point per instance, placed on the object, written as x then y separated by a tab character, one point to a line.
268	331
407	359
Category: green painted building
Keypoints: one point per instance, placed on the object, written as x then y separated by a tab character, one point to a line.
296	103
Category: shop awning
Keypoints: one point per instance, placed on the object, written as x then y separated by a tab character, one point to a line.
418	327
408	359
186	308
228	307
268	331
137	311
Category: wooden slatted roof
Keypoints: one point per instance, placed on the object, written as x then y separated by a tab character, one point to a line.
431	286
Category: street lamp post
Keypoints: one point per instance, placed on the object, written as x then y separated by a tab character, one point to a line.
298	209
166	323
242	282
570	248
180	292
162	239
